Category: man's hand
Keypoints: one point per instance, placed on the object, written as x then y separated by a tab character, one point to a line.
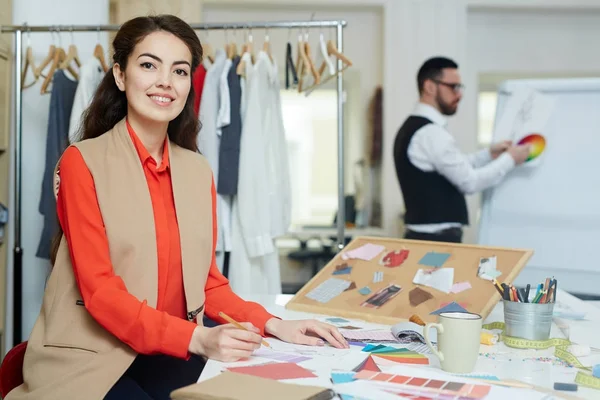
520	153
498	148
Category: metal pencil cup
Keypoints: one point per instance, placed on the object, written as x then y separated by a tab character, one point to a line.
528	320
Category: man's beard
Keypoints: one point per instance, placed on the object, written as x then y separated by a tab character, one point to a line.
445	108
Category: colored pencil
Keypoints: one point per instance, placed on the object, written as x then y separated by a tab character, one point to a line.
238	325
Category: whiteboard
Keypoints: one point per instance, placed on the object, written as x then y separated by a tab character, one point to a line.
553	208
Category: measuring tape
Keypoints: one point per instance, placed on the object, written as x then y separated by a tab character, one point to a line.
561	351
590	381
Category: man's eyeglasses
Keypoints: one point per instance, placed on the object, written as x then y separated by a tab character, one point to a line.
456	87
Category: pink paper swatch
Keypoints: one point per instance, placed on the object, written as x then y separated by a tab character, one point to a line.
275	371
365	252
459	287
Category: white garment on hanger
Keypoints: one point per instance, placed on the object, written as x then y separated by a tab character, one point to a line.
262	208
208	139
224	119
90	76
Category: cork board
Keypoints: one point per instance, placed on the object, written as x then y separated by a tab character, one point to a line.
350	303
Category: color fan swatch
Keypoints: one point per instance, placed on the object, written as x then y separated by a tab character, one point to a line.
398	355
426	387
537	143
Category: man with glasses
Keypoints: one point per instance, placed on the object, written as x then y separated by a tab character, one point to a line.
433	173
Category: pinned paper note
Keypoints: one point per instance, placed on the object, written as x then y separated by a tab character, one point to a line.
418	296
460	287
364	291
382	296
441	279
433	259
452	307
328	290
365	252
487	268
394	258
342	271
377	277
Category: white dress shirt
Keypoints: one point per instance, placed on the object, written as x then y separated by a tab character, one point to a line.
433	148
90	76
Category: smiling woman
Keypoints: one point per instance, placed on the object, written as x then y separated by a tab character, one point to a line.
134	266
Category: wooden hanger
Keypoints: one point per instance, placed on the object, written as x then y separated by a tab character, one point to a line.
59	57
303	64
346	63
209	52
311	63
99	54
71	56
332	50
49	57
29	64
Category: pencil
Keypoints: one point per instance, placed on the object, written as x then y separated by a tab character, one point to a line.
238	325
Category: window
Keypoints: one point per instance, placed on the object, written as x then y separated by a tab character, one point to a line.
311	133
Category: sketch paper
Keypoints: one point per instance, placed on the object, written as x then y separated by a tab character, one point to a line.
487	268
441	279
526	112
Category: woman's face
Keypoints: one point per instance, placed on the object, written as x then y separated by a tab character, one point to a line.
157	78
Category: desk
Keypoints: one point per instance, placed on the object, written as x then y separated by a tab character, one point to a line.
539	367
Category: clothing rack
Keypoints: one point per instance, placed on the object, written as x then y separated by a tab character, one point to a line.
18	30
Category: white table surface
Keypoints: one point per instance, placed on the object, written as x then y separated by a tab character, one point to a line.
538	367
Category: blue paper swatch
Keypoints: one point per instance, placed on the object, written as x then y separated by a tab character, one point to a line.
452	307
433	259
342	271
365	290
337	320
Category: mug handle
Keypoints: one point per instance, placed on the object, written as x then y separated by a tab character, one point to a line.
440	329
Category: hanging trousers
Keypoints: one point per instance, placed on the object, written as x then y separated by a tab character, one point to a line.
155	377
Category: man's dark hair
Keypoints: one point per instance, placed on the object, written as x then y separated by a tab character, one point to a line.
432	69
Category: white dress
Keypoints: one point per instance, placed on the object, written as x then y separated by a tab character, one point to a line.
262	208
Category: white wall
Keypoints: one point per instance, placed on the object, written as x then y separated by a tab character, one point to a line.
537	42
35	119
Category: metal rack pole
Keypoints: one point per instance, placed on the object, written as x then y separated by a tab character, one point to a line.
341	220
18	250
207	26
18	30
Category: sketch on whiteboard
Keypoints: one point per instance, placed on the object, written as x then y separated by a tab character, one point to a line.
524	120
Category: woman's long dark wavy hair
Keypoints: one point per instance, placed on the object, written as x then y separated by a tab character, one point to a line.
109	104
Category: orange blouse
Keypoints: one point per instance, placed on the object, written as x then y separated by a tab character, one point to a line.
147	330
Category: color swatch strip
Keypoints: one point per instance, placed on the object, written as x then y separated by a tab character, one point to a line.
425	386
397	355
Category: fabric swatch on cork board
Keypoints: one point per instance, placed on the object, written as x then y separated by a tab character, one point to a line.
418	296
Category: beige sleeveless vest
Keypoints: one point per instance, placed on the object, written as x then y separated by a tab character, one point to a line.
69	355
